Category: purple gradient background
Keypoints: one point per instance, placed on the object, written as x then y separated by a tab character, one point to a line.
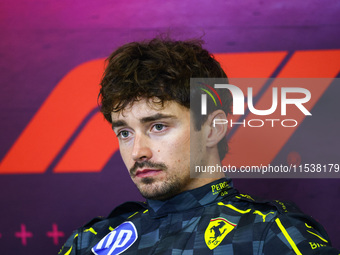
42	40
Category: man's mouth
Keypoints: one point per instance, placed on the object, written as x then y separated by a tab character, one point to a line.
142	173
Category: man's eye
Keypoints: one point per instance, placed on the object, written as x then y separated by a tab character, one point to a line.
124	134
159	127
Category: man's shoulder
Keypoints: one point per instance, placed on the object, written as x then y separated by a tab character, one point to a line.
119	214
93	231
247	203
272	214
277	224
257	210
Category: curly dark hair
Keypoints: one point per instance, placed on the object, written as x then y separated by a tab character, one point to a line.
159	69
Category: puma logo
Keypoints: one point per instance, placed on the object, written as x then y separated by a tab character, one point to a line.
263	215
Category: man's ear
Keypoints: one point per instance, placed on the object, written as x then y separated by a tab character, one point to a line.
216	125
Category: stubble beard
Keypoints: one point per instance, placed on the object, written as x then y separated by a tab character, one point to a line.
155	189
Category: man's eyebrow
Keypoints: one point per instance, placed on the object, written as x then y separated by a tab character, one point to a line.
118	123
157	116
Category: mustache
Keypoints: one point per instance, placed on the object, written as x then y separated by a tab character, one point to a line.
143	164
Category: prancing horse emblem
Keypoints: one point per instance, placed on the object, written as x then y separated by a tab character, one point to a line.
216	231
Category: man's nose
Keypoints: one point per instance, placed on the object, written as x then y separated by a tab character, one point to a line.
141	148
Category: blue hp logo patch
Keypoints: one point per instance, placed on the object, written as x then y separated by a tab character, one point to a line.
117	241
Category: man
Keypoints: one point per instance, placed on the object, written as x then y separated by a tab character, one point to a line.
145	95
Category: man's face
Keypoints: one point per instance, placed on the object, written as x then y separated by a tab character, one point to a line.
154	143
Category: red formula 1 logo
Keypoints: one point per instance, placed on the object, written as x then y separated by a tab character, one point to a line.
69	131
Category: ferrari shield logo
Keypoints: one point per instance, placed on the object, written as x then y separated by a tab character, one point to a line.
216	231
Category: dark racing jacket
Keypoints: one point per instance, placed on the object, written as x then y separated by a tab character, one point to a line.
213	219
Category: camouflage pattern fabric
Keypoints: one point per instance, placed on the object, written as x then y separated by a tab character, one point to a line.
213	219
